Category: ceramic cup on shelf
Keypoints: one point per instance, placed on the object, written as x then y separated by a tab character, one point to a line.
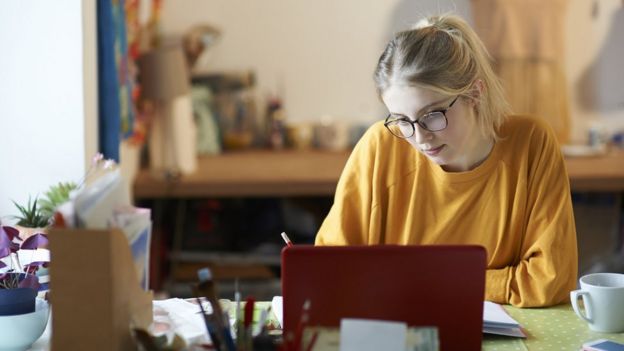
331	134
603	301
299	135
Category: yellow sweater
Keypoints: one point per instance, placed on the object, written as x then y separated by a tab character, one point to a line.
516	204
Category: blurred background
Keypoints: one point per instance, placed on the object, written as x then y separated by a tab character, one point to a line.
232	120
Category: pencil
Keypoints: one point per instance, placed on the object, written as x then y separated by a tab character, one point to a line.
312	341
286	239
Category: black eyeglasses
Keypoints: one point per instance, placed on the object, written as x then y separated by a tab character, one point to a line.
404	127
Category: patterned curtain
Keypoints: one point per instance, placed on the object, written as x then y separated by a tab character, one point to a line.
120	31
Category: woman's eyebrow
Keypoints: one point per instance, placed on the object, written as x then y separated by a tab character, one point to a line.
424	108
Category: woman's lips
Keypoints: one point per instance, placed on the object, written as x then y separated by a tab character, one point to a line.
434	151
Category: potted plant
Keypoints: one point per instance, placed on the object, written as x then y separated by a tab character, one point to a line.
19	283
23	316
55	196
31	219
37	215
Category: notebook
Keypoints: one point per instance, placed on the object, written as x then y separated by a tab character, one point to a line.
437	285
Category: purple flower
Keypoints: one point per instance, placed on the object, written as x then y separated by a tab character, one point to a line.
12	232
35	241
19	275
5	243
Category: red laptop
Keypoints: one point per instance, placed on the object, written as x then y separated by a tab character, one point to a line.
438	285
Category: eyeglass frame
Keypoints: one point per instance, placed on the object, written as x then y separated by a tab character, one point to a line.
418	120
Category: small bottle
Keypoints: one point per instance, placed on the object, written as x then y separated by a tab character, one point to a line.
276	119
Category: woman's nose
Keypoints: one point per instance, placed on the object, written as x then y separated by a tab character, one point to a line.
421	135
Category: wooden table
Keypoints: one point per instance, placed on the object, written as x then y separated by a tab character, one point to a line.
310	173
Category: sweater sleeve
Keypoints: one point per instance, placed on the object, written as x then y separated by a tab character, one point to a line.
547	270
350	219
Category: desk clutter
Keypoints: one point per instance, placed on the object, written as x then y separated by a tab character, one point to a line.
552	328
178	324
99	247
88	257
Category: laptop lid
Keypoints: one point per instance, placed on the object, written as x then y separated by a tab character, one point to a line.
437	285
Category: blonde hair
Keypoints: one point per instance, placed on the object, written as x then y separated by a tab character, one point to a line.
443	54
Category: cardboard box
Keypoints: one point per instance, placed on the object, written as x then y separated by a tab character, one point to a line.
95	293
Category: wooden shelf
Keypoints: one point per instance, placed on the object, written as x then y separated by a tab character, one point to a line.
597	173
250	173
315	173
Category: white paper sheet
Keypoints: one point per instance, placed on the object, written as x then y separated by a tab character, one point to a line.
372	335
278	309
186	318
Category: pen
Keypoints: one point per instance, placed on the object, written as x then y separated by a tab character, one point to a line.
227	332
209	328
248	322
262	321
237	320
206	287
286	239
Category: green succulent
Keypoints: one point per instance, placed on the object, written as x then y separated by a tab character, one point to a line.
31	215
56	196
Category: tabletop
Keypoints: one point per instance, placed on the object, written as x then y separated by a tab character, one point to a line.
548	329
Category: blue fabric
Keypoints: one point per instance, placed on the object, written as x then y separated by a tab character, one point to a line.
108	83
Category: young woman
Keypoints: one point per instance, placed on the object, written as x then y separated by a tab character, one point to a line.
450	166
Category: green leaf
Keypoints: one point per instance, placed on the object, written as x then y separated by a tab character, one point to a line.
56	196
30	215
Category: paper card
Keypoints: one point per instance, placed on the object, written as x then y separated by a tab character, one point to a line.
278	309
372	335
495	315
328	339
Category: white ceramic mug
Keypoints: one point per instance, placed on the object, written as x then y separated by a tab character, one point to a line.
603	299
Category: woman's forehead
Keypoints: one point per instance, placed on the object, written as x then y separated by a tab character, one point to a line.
405	99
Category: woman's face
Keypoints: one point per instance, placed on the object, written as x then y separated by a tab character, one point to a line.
460	146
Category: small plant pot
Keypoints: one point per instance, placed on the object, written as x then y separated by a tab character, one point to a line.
25	232
17	333
17	301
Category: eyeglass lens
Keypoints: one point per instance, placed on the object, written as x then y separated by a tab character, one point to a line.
434	121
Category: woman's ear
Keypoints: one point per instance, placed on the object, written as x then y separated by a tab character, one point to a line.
478	88
476	91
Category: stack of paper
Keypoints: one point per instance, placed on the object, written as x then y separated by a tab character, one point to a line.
497	321
180	317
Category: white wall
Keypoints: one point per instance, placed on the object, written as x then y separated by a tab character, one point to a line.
321	54
48	96
594	64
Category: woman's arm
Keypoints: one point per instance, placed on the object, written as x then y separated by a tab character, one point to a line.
548	265
350	219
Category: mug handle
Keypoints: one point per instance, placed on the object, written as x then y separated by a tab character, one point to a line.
574	297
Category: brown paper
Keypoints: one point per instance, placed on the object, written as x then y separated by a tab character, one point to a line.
95	293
